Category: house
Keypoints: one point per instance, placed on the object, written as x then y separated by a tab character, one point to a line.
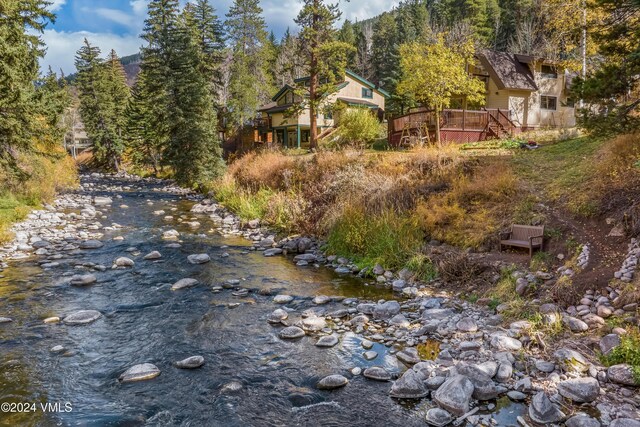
276	122
522	93
533	90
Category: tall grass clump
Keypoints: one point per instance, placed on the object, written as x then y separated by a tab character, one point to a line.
386	238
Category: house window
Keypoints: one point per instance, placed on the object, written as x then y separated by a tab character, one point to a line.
288	98
549	72
571	103
367	93
328	115
548	102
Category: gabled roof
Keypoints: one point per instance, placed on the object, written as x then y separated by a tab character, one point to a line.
508	70
281	92
276	109
355	77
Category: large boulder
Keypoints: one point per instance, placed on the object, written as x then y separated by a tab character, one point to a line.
543	411
571	361
386	310
455	395
409	386
483	387
621	374
580	390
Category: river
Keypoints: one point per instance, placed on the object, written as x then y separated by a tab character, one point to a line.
251	377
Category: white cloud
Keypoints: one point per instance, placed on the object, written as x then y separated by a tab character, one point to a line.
117	16
62	46
139	7
56	5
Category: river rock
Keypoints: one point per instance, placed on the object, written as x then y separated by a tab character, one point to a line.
83	279
516	396
170	235
272	252
192	362
277	316
467	324
183	284
409	356
123	262
91	244
331	382
505	343
82	317
580	390
377	373
621	374
291	332
543	411
624	422
438	417
231	387
282	299
153	255
102	200
327	341
582	420
455	394
571	361
144	371
5	320
576	325
608	343
198	258
314	324
370	355
386	310
321	299
409	386
53	319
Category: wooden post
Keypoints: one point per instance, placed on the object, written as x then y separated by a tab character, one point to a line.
464	115
298	134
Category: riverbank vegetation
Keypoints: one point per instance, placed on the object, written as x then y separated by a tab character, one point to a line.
33	164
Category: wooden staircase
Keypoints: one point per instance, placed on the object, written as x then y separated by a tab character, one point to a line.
498	125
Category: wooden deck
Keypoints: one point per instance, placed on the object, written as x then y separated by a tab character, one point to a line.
455	126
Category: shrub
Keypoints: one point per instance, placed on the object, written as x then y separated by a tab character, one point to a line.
357	127
457	267
422	266
627	352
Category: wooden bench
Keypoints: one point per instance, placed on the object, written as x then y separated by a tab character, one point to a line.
523	236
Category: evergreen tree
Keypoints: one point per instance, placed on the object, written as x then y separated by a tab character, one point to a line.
385	59
208	33
103	94
54	97
364	41
288	67
347	34
250	83
20	48
173	98
325	57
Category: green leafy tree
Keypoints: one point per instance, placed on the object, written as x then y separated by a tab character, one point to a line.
358	127
323	56
250	84
433	74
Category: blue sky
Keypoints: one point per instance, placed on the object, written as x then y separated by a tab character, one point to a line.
117	23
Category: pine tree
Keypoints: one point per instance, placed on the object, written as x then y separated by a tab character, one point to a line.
288	66
20	49
54	98
325	58
208	33
364	42
103	94
347	34
250	83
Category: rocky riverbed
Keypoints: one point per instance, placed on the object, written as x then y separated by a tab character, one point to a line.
142	303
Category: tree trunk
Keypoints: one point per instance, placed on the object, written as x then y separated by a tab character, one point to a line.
313	88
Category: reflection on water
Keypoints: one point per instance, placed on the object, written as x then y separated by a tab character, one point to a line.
250	377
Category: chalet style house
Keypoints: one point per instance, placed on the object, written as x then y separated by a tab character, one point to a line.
522	93
277	124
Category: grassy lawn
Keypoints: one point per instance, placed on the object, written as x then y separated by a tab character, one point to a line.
561	171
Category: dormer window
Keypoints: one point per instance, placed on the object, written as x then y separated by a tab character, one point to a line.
367	93
548	72
288	98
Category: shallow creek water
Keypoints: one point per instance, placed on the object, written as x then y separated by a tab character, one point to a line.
144	321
